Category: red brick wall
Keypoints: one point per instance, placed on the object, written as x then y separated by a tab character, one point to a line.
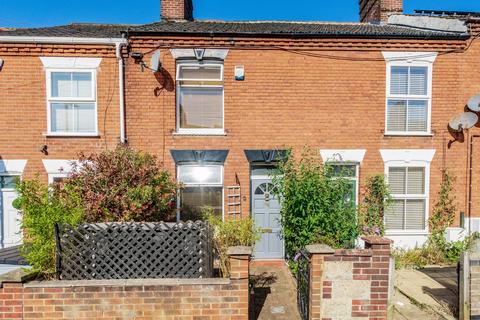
292	100
166	299
349	284
23	105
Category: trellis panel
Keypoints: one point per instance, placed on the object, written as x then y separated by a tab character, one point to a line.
134	250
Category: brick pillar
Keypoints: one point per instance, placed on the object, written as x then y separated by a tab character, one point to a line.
239	275
317	255
11	300
381	250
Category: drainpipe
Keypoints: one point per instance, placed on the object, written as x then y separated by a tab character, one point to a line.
121	88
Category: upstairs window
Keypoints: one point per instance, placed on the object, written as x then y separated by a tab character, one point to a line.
408	209
408	98
72	105
200	98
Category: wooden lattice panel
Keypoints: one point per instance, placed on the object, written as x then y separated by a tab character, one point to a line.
234	203
134	250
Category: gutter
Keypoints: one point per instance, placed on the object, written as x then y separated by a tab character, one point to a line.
62	40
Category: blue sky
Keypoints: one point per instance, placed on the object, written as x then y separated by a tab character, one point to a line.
35	13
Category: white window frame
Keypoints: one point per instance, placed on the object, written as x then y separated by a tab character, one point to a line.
357	174
425	196
408	59
208	184
212	131
70	100
52	176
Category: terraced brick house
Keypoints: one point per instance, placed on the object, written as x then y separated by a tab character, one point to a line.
230	97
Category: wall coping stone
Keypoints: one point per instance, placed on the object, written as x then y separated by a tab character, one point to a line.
354	252
126	283
319	248
376	240
240	251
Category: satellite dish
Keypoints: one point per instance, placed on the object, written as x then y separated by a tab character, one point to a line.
474	103
465	120
155	61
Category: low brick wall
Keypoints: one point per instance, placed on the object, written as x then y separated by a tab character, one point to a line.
201	299
350	284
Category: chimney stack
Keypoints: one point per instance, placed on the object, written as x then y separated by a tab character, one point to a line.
379	10
176	10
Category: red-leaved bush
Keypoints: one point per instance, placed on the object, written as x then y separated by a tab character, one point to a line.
123	185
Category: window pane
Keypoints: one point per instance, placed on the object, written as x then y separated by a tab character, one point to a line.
263	171
85	117
61	84
417	115
201	108
72	84
194	199
396	180
415	215
344	171
416	181
397	115
418	80
399	80
82	85
394	216
8	182
61	117
67	117
200	72
200	174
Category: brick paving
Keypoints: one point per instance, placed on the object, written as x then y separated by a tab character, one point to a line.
275	294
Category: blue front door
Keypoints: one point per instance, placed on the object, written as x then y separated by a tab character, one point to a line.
266	213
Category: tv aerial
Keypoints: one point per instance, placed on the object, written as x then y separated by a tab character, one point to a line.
462	121
474	103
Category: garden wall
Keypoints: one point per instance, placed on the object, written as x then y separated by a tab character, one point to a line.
350	284
133	299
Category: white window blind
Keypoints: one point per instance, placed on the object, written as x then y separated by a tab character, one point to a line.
200	97
72	102
408	100
408	209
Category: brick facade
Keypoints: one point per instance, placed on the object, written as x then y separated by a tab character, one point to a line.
196	299
176	9
350	284
328	96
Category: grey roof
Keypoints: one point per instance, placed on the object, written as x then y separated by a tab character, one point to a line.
243	28
288	28
77	30
11	255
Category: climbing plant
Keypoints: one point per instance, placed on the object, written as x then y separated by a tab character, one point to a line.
375	202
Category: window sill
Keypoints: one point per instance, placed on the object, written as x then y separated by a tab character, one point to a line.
406	233
414	135
71	135
199	134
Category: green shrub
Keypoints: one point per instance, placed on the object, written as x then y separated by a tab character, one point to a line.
314	208
123	185
41	208
232	232
372	209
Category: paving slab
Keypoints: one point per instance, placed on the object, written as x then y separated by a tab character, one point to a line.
428	292
275	293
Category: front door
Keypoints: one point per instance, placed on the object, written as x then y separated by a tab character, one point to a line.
10	234
266	213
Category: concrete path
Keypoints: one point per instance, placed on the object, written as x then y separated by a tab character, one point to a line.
275	294
431	289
